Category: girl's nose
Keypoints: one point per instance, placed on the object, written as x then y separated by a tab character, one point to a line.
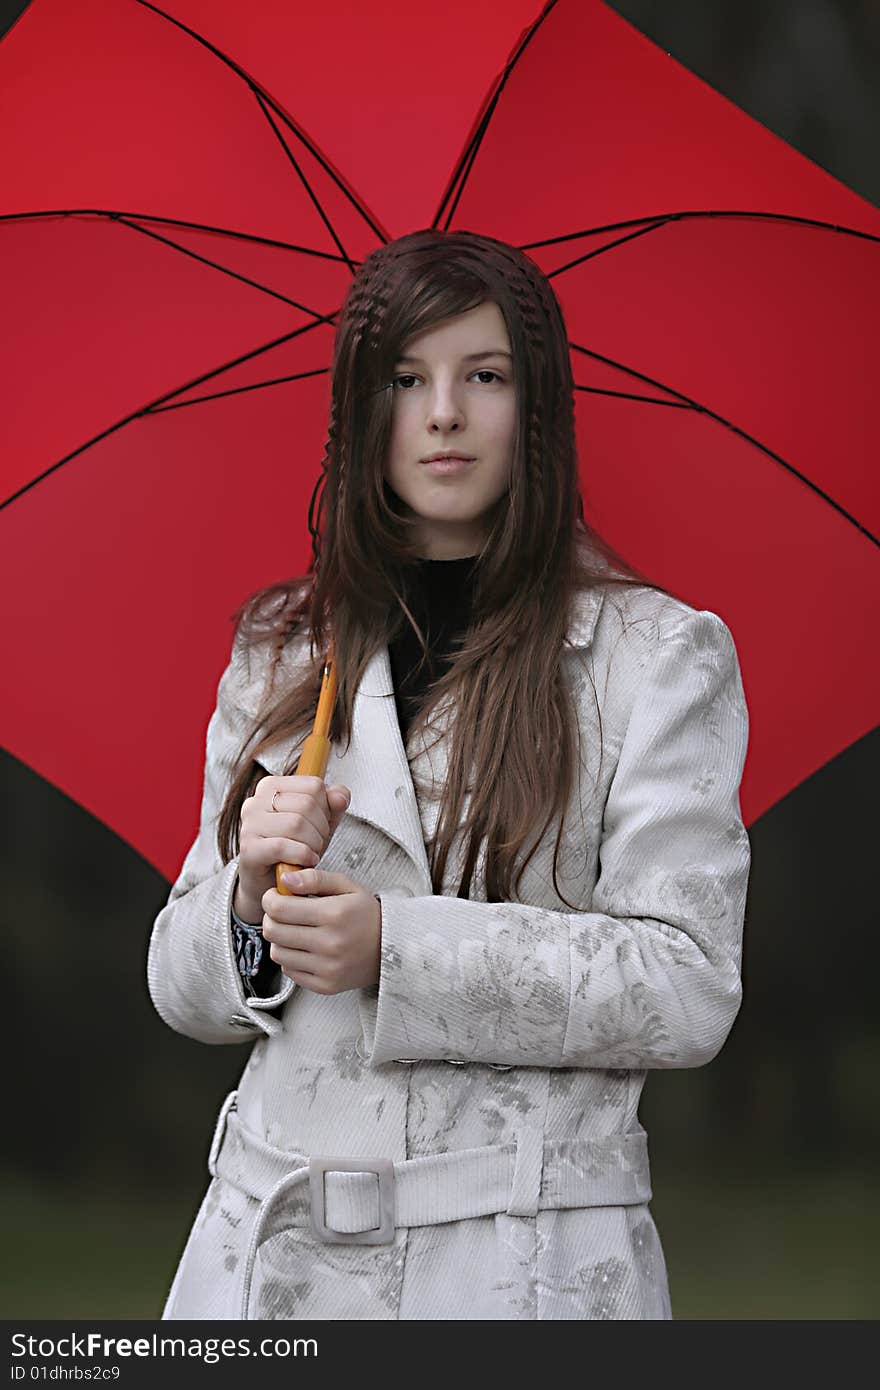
444	410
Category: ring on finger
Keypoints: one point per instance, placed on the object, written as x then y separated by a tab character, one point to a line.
274	794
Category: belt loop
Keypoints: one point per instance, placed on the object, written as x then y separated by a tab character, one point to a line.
220	1132
260	1223
528	1168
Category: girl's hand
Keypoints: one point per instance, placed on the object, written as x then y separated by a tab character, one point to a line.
328	942
298	831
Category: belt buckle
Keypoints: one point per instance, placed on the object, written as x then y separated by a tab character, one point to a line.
382	1234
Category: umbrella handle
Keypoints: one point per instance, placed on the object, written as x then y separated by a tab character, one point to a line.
316	749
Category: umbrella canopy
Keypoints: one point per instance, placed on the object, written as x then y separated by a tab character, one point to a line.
185	195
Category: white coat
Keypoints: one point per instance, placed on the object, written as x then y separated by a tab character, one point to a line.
495	1070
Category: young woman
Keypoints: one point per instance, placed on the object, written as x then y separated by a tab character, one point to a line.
526	868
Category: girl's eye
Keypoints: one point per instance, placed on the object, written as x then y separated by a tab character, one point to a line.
483	371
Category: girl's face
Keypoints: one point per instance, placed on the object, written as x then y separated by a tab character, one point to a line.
453	393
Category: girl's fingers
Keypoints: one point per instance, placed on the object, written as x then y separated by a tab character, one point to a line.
268	833
301	961
305	816
264	854
295	852
275	824
294	937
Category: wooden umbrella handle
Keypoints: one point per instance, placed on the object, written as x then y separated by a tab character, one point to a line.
316	749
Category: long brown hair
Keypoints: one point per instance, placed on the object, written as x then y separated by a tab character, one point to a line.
514	737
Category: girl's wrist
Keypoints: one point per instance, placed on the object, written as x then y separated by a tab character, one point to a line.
245	911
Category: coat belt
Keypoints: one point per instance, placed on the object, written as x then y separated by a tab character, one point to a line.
344	1204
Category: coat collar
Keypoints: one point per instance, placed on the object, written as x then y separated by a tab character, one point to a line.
376	765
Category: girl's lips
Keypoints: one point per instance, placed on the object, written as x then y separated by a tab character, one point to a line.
451	465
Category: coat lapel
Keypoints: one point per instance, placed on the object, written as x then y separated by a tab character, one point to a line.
377	767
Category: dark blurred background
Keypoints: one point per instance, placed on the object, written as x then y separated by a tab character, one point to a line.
764	1163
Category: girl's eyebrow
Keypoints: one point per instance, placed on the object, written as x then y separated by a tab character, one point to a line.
470	357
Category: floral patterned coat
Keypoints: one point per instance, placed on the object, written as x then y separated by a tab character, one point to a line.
494	1072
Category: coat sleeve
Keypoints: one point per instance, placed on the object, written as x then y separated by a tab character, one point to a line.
192	976
651	976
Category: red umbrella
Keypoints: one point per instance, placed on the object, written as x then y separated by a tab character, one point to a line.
186	189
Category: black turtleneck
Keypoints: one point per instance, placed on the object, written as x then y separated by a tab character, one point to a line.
440	596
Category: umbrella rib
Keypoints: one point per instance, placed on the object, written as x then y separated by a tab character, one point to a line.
127	219
466	162
461	172
237	390
205	260
150	409
683	402
302	178
661	219
609	246
259	92
174	222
